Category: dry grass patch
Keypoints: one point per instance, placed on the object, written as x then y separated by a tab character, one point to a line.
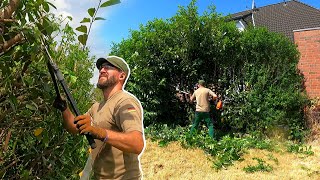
175	162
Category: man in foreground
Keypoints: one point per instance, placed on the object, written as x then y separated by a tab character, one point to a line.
201	95
116	124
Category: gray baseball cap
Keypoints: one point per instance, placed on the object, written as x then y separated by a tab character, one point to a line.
201	82
115	61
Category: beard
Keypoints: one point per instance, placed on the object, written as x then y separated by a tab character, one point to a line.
110	82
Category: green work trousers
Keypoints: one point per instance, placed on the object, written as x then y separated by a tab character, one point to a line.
203	116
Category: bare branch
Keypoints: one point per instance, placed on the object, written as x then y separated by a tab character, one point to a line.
13	41
7	12
8	20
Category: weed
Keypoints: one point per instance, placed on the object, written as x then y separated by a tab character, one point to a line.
261	166
271	157
299	148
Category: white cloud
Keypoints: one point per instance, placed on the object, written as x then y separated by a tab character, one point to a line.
78	10
60	4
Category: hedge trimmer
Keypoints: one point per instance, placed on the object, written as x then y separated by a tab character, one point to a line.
57	75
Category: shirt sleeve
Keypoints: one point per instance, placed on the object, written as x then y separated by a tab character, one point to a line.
129	116
212	93
89	112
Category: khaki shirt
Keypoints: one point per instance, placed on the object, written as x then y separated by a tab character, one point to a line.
122	112
202	98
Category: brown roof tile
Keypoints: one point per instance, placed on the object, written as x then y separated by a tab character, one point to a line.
282	17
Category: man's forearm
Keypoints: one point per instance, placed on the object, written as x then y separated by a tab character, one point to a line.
214	97
68	121
130	142
191	99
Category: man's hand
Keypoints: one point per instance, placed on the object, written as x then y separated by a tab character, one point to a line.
60	104
83	123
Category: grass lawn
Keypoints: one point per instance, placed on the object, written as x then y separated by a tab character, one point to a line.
175	162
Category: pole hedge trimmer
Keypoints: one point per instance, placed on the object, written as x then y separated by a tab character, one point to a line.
55	73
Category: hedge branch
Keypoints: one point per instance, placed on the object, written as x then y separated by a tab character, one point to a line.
7	11
8	20
8	44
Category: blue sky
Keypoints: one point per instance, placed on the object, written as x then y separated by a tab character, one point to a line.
129	14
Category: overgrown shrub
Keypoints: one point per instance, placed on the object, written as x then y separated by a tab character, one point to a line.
273	95
254	71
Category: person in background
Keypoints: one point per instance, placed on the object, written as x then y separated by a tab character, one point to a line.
202	95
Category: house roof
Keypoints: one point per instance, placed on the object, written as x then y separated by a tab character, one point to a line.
284	17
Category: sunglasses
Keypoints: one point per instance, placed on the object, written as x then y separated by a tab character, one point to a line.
108	66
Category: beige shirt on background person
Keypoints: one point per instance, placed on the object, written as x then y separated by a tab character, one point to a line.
202	98
122	112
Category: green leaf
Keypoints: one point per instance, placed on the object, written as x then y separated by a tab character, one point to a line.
110	3
25	174
35	105
31	107
48	26
46	87
52	5
162	82
162	143
41	29
69	17
82	28
83	39
13	102
85	20
31	17
91	11
73	79
99	18
46	7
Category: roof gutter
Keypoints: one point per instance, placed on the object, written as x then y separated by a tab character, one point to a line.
241	16
307	29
